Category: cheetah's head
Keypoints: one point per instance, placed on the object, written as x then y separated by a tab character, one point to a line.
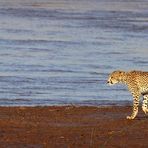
115	77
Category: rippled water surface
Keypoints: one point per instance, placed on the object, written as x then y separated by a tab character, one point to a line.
59	51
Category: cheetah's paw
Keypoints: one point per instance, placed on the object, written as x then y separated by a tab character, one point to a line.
130	117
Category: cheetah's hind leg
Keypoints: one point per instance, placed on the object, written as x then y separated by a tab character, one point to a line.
145	103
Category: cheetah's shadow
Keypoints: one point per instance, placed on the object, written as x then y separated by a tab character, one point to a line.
142	117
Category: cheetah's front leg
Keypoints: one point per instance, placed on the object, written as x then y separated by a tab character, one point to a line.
145	103
135	106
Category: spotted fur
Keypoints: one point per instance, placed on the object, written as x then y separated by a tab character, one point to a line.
137	82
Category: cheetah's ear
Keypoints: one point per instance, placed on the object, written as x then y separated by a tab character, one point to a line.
121	73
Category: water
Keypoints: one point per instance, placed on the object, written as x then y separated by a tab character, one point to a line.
60	52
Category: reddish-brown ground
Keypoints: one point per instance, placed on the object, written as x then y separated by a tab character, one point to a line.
72	127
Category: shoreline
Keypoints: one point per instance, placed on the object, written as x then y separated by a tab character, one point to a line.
72	126
50	103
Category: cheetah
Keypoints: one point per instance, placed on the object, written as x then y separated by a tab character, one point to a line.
137	83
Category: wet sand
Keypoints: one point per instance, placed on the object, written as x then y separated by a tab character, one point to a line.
72	127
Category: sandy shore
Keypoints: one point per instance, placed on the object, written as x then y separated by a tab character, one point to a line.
71	127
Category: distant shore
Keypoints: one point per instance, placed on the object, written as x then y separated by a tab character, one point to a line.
72	127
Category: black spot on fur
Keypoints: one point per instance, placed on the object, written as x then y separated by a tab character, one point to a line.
145	93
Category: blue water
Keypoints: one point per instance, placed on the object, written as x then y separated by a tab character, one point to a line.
60	52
